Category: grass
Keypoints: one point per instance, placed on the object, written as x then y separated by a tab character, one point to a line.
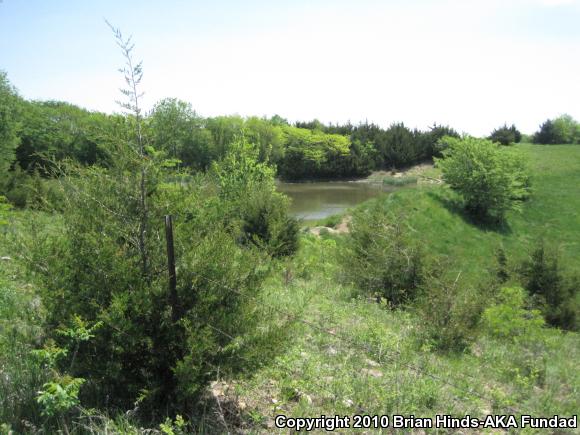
437	218
400	181
337	353
348	355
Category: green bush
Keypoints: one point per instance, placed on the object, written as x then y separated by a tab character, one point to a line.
491	180
554	294
267	223
381	259
449	314
160	352
508	318
506	135
247	187
561	130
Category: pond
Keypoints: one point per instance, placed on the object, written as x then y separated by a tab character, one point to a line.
317	200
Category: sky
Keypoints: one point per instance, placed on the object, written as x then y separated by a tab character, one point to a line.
470	64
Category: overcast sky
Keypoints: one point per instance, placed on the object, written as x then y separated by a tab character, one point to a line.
468	63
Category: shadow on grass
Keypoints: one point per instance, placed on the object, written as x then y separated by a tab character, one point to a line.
454	205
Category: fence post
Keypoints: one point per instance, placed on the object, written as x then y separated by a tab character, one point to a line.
171	269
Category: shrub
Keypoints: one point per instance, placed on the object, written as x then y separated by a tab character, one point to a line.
552	293
267	224
506	135
449	314
509	319
92	267
381	258
491	180
248	188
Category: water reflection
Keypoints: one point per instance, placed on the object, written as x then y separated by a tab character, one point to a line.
317	200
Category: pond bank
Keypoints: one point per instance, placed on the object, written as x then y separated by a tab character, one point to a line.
315	200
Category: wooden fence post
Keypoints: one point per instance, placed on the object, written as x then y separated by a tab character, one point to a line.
173	301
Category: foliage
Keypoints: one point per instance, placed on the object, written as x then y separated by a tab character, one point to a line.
381	258
59	397
552	293
450	313
505	135
107	265
398	146
9	125
491	180
179	131
21	318
311	153
509	319
176	427
248	187
561	130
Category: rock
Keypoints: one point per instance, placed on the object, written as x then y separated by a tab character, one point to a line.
372	372
331	350
371	363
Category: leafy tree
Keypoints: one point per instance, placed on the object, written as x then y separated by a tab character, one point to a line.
9	125
267	137
312	154
491	180
561	130
505	135
225	131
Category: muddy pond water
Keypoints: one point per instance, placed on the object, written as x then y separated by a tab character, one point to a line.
317	200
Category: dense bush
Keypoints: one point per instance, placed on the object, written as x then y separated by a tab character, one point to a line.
552	292
94	267
491	180
107	265
248	188
509	319
449	313
380	258
505	135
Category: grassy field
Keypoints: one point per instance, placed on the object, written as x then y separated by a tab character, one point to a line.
348	355
327	351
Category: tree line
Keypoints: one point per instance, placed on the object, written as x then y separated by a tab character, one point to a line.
35	134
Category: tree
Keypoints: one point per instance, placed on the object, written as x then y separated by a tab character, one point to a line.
505	135
491	180
381	259
561	130
9	125
552	293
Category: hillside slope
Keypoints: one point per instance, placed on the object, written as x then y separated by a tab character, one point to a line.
346	355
